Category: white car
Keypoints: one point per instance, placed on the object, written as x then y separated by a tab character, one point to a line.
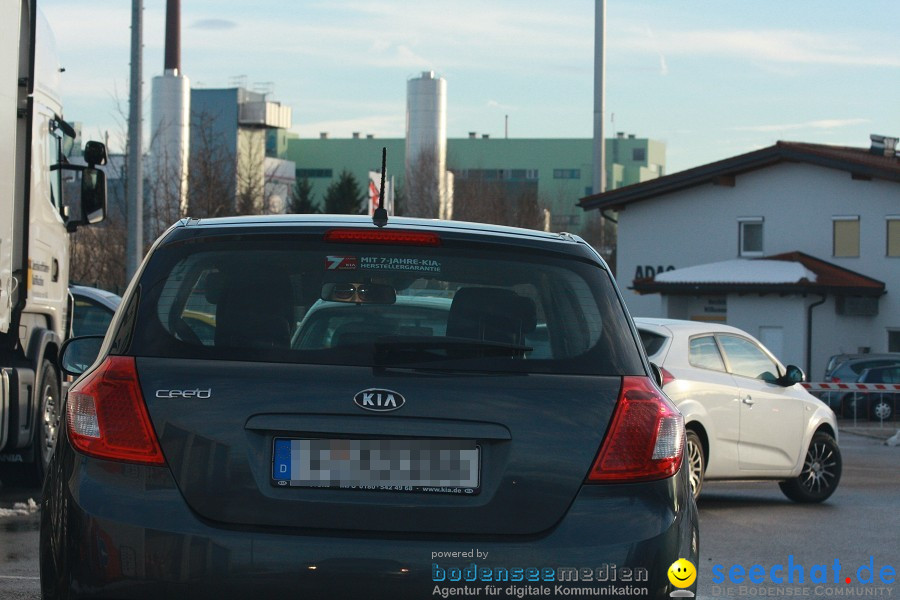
745	415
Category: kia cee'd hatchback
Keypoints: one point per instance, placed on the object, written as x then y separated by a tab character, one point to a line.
316	407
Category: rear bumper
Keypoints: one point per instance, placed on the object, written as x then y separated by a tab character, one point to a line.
112	530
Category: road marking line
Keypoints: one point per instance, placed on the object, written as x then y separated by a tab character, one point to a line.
18	577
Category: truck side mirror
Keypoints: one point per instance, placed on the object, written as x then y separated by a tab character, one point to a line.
95	153
93	196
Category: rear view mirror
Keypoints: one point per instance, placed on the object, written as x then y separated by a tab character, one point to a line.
95	153
792	375
93	196
359	293
77	354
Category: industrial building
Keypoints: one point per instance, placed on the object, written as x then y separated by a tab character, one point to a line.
559	168
228	157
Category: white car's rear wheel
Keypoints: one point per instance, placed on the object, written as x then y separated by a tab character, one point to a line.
696	461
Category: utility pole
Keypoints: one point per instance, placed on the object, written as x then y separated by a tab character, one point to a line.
599	180
135	191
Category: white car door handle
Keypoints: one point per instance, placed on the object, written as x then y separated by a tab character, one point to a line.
747	400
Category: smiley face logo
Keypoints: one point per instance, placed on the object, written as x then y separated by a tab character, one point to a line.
682	573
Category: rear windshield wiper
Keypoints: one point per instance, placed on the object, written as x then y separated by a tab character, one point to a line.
453	347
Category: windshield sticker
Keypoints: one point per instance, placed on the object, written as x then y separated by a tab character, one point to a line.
397	263
341	263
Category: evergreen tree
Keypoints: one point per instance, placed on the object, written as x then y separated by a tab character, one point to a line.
344	196
302	199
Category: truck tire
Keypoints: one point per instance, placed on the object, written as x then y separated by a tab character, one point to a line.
49	419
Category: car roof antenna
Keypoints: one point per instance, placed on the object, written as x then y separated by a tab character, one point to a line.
380	217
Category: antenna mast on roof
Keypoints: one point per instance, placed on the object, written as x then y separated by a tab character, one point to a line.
380	217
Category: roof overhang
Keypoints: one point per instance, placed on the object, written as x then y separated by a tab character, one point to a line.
859	162
826	278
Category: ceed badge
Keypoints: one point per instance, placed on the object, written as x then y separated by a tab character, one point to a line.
379	400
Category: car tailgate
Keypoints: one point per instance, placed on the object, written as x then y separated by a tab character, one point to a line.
537	436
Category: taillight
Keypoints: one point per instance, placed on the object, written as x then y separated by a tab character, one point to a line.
107	417
645	440
667	377
383	236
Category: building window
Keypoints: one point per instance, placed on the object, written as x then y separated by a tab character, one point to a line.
750	233
894	340
314	173
893	236
846	236
566	173
639	154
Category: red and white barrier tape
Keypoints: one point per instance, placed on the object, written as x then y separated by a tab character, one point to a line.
853	387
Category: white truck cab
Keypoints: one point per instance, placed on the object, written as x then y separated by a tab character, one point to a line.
35	221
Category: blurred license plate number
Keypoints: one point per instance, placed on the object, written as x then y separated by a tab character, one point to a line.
432	466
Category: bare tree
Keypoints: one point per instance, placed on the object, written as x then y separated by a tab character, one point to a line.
97	253
422	189
163	200
601	233
212	169
480	199
250	175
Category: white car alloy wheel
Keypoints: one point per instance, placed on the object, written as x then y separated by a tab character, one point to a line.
696	462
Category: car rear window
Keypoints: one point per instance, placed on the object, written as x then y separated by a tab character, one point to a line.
90	318
704	353
310	302
653	342
860	366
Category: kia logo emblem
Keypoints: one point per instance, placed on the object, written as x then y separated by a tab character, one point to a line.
379	400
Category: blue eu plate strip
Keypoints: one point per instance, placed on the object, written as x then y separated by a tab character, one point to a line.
281	463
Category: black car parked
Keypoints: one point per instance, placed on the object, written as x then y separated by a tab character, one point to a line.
479	413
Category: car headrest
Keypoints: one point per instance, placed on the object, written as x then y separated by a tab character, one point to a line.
254	311
491	314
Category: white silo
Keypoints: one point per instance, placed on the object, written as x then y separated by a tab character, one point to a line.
170	112
426	147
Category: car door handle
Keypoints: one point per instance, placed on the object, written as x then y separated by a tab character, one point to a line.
747	400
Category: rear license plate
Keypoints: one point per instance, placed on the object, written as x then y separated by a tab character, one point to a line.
434	466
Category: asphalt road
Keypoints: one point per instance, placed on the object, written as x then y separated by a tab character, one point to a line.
742	524
754	524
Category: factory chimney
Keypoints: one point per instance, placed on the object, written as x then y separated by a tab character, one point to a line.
170	132
173	37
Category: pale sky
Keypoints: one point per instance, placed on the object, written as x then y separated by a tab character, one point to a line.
711	78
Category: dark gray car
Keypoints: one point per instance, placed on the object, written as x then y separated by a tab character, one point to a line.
93	310
467	406
859	404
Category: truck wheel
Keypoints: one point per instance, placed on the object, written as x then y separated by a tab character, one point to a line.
49	420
